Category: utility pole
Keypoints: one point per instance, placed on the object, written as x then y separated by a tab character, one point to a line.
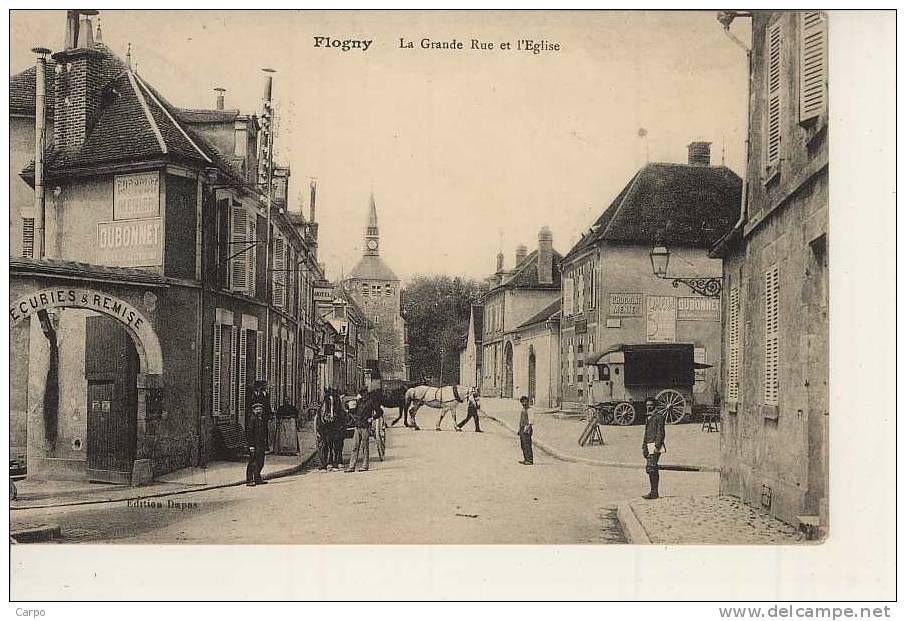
40	131
268	124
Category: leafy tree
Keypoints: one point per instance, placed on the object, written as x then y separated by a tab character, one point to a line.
436	309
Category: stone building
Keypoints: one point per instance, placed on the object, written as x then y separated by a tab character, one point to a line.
611	295
150	299
376	290
774	435
514	297
536	350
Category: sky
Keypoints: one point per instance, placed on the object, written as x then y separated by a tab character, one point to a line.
467	152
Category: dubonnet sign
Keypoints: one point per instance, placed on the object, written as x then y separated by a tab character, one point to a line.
130	243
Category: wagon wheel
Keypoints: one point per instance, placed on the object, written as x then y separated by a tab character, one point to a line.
624	413
672	404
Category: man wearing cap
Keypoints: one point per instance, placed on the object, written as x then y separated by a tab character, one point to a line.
362	420
525	433
256	441
653	445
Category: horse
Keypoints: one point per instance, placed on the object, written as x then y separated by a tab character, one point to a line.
445	399
394	398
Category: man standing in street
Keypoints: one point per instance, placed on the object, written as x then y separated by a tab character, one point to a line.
525	433
474	405
653	445
256	440
362	420
260	395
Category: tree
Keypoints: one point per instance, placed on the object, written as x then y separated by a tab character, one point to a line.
436	309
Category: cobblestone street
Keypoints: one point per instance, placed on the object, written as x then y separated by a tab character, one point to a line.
710	520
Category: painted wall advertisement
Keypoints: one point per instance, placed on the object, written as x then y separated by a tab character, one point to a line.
698	309
661	313
625	304
136	196
130	243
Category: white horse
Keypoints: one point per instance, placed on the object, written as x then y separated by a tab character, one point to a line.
445	398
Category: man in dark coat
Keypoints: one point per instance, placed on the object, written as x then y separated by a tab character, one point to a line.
525	433
259	394
364	412
474	404
653	445
256	440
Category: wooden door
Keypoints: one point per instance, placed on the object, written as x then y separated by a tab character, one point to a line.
111	367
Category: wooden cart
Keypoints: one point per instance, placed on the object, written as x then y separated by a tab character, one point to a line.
625	375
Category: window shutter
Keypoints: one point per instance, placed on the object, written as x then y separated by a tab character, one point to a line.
774	59
580	306
260	346
568	297
273	366
771	340
279	275
223	242
239	239
252	254
243	347
733	346
233	339
28	237
215	372
290	356
812	64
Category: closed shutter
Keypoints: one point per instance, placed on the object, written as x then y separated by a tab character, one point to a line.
223	242
580	306
812	65
243	348
290	369
279	275
239	238
273	369
233	340
567	297
771	334
28	237
215	372
733	347
252	260
260	346
774	59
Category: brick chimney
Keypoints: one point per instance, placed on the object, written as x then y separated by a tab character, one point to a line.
499	262
220	97
521	253
77	84
545	256
699	153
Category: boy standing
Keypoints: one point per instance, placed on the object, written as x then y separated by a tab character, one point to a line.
525	433
653	445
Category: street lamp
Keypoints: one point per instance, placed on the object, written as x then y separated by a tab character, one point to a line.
707	287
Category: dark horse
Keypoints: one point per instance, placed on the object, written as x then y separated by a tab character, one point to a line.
394	398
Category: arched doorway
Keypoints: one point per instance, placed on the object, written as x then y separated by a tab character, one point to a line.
95	366
532	382
508	371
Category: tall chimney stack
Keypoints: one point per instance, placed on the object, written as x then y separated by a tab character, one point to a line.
311	206
699	153
220	91
545	256
521	253
499	262
40	131
77	84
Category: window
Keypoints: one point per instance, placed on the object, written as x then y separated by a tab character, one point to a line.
242	250
365	289
733	347
243	348
223	371
580	293
812	65
593	287
567	297
387	290
774	90
771	335
279	279
28	237
570	361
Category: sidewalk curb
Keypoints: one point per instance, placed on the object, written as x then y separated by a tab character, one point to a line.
597	462
272	475
37	534
632	528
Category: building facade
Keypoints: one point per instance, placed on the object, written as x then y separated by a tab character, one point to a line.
514	297
536	352
376	291
611	295
161	284
774	435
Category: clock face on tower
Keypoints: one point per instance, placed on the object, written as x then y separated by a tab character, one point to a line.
372	244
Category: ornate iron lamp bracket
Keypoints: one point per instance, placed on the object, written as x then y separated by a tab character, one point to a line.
708	287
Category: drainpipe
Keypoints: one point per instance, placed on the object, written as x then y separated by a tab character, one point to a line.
726	18
40	131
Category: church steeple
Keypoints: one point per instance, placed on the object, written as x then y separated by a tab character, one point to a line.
372	240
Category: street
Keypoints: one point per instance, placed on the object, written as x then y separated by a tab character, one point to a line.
434	488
